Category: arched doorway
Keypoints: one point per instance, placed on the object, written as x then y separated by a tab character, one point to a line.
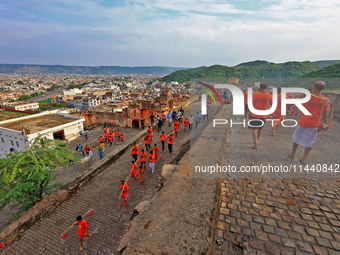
135	124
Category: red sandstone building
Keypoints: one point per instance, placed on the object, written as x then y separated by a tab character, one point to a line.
134	113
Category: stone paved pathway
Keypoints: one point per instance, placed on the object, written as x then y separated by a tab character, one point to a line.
288	215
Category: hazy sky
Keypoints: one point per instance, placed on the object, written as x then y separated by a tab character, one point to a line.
185	33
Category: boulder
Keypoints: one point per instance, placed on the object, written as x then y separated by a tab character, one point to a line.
126	239
167	170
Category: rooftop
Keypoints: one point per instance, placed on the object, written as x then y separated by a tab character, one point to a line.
37	124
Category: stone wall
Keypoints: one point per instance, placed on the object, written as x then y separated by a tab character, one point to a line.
118	119
127	116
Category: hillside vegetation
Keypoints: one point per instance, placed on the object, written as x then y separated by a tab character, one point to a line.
325	63
107	70
255	69
332	71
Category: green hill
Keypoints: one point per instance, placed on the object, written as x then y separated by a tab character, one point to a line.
332	71
255	69
319	64
254	63
330	74
85	70
332	84
325	63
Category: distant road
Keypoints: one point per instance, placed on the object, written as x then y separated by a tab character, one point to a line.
47	95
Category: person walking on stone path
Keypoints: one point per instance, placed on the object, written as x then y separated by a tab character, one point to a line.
141	175
83	230
170	142
102	145
111	139
182	111
261	101
150	131
134	152
174	115
101	152
246	109
205	116
80	149
106	137
197	118
87	149
124	189
179	116
134	168
152	162
159	123
91	154
191	122
152	118
163	118
118	135
155	150
176	126
147	141
143	156
308	127
169	118
185	124
163	140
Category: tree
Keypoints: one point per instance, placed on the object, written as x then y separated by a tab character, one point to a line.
53	87
35	94
26	177
51	106
78	86
23	98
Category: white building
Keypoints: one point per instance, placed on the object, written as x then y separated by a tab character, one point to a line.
89	103
72	92
21	106
86	103
114	87
18	134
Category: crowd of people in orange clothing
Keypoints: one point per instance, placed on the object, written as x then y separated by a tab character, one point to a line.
145	151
